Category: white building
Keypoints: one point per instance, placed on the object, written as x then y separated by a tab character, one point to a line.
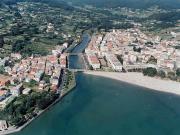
65	45
16	55
93	61
16	91
115	63
26	91
3	125
178	62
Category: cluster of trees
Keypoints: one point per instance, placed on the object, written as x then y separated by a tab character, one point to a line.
27	48
69	79
46	78
152	60
120	58
1	41
165	20
168	4
31	84
53	3
178	72
166	17
24	107
101	22
2	70
164	25
129	3
23	28
137	49
152	72
108	24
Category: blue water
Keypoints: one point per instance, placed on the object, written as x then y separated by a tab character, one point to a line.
100	106
81	47
76	62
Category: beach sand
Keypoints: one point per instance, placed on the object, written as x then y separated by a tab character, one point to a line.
141	80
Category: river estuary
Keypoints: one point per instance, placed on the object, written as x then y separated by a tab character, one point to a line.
100	106
77	61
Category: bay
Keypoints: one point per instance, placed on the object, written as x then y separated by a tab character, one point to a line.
101	106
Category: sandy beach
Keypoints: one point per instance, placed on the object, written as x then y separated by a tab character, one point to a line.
140	80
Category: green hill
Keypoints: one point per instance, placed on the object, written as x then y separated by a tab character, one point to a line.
166	4
129	3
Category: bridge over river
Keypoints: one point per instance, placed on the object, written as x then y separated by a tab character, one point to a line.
78	70
77	62
76	59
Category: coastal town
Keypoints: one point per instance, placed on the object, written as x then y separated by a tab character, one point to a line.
117	51
132	50
44	44
33	74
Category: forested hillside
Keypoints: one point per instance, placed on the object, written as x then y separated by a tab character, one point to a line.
166	4
55	3
129	3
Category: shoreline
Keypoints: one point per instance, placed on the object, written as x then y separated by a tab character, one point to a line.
19	129
139	79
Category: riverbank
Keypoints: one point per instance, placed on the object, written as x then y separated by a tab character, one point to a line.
64	92
140	80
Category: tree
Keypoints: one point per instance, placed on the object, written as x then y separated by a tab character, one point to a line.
18	121
18	46
21	109
119	57
32	83
1	41
18	15
149	43
161	74
137	49
178	72
24	105
46	78
172	75
2	70
152	60
150	72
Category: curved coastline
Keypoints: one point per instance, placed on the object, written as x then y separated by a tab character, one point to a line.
138	79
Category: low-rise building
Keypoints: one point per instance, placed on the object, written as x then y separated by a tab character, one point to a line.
6	101
4	80
114	62
63	61
93	61
16	56
26	91
17	90
3	94
3	125
42	85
